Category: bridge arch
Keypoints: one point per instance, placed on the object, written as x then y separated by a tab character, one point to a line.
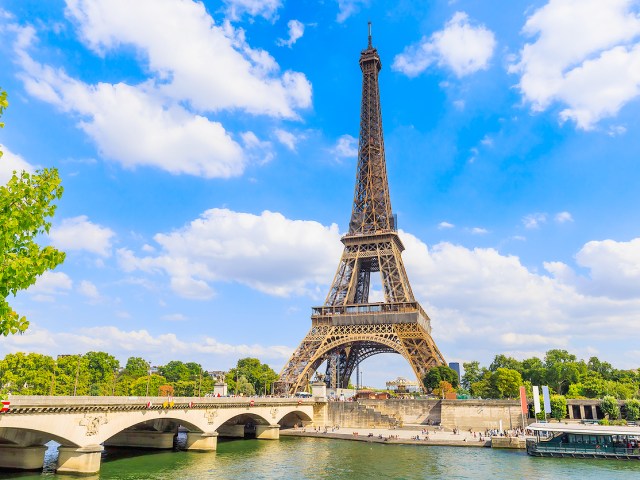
295	417
26	437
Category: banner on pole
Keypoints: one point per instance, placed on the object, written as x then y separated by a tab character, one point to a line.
536	399
547	400
523	401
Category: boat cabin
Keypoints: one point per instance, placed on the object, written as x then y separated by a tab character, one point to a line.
584	441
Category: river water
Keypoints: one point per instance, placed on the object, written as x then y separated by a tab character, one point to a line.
309	458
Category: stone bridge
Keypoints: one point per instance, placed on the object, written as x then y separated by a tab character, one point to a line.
84	425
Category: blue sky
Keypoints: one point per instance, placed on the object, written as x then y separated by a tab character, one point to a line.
208	152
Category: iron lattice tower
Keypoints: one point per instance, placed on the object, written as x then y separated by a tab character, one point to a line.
348	328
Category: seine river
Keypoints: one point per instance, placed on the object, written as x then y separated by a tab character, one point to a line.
307	458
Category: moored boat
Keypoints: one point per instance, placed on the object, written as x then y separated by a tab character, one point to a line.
584	441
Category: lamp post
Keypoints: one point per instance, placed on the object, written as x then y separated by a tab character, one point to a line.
148	380
75	385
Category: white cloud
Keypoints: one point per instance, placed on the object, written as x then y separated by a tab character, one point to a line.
479	231
346	147
186	51
614	268
78	233
132	126
288	139
534	220
174	317
267	252
89	290
479	293
445	225
124	343
253	8
50	284
585	56
296	31
346	8
461	47
563	217
10	162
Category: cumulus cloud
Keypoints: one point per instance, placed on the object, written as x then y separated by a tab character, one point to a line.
50	284
468	292
132	126
11	162
534	220
614	268
445	225
296	31
563	217
461	46
267	252
346	8
480	293
253	8
79	233
479	231
585	56
159	348
288	139
346	147
187	51
89	290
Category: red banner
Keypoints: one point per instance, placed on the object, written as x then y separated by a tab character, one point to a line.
5	406
523	401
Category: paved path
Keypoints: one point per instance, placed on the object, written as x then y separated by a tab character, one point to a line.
440	437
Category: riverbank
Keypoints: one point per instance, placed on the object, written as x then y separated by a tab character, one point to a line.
394	436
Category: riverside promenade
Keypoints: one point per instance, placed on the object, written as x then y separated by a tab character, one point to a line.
402	436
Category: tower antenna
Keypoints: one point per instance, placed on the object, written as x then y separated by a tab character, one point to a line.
370	34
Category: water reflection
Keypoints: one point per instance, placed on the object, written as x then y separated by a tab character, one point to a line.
314	459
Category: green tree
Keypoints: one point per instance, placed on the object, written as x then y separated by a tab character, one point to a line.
438	374
633	410
136	367
174	371
502	361
258	374
27	374
25	205
244	387
604	369
103	369
610	407
472	374
563	369
506	383
534	371
72	375
150	384
558	407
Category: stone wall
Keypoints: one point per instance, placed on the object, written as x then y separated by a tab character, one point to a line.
481	414
464	414
356	415
408	412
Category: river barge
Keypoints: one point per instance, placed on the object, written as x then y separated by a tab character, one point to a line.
584	441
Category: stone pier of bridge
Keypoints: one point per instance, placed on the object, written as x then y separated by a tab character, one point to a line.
84	426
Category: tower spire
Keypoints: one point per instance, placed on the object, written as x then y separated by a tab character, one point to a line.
370	44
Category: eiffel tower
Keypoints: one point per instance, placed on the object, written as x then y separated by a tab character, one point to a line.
349	328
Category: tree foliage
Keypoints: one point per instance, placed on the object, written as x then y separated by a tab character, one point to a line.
259	375
434	376
610	407
25	206
558	407
633	409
